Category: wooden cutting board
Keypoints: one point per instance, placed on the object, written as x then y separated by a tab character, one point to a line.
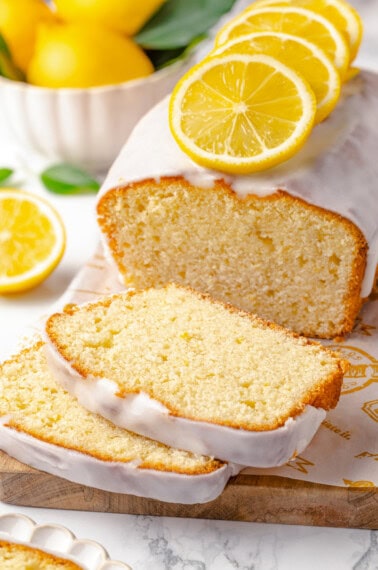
246	498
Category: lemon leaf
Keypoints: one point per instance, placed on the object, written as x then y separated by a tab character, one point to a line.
5	173
178	22
7	67
68	179
4	49
164	57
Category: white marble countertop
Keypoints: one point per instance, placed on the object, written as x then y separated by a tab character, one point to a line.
152	543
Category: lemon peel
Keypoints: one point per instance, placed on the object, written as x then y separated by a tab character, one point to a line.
292	20
32	240
299	54
241	113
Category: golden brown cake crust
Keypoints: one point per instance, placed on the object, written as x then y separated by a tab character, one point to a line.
352	299
210	466
325	395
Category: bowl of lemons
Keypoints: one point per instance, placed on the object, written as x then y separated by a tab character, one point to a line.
76	75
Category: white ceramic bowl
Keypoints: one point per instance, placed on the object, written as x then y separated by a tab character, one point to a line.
57	540
86	127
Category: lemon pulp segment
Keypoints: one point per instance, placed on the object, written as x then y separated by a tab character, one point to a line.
299	54
290	20
32	240
340	13
241	113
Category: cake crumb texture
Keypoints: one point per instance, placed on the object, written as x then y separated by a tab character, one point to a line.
201	359
277	256
21	557
35	404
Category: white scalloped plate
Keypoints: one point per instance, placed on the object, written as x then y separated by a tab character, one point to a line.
58	540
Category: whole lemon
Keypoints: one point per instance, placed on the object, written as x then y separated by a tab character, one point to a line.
72	55
126	16
18	23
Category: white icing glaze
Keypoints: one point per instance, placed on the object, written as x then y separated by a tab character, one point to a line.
337	168
113	476
141	414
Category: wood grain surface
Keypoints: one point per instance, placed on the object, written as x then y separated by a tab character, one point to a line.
246	498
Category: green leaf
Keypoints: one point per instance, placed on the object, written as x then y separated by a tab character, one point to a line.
68	179
4	47
164	57
178	22
5	173
8	68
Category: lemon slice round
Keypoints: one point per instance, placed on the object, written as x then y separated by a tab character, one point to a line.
340	13
299	54
241	113
32	240
290	20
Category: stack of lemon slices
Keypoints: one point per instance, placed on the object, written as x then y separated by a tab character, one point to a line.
276	70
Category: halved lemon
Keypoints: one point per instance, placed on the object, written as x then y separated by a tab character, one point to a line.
290	20
241	113
340	13
299	54
32	240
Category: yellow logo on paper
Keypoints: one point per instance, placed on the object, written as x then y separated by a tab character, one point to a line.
362	372
358	483
346	434
371	409
300	464
367	455
362	328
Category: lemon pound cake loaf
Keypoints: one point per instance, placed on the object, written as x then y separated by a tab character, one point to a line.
20	557
44	426
177	366
297	244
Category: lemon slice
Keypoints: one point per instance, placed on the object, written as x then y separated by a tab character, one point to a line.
241	113
299	54
351	73
290	20
32	240
342	15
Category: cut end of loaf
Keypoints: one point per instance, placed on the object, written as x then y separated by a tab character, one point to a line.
277	256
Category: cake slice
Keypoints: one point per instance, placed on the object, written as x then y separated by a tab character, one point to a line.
177	366
15	556
45	427
297	244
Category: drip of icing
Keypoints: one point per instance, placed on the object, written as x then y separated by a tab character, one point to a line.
113	476
337	169
141	414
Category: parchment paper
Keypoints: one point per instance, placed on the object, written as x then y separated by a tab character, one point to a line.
344	452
